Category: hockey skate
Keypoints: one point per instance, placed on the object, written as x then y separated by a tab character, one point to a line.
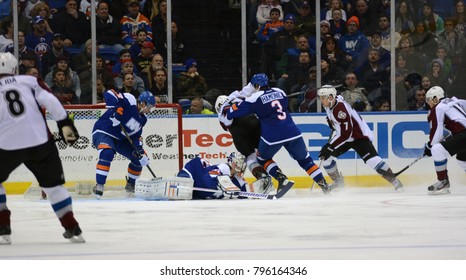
129	188
398	185
326	188
74	235
338	181
282	180
5	235
98	190
440	187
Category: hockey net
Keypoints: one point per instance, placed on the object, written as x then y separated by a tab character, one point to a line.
162	139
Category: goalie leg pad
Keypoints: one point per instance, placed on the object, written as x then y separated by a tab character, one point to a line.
263	185
176	188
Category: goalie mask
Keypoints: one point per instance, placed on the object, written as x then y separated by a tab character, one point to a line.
237	162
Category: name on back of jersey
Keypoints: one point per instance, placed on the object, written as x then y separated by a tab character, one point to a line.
269	97
7	80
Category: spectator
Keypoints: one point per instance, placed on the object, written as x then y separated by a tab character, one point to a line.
404	18
387	36
305	20
271	26
127	66
290	60
85	79
144	59
453	41
197	107
447	63
49	59
71	78
178	46
43	10
375	78
80	60
128	85
437	75
424	45
108	29
190	83
432	20
100	88
22	49
337	24
33	71
331	73
353	93
383	105
308	98
40	40
135	49
263	14
297	78
29	6
73	25
124	55
159	22
159	86
425	84
367	21
324	30
460	17
148	74
330	50
353	42
27	60
419	103
64	93
132	22
6	39
277	44
375	44
151	9
335	5
5	8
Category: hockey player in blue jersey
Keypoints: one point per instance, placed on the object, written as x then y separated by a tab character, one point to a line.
209	176
124	114
278	130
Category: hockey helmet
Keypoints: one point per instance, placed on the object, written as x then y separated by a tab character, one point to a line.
435	91
326	91
219	102
237	162
260	79
8	63
147	97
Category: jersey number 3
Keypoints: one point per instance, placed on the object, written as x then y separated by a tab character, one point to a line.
281	115
15	106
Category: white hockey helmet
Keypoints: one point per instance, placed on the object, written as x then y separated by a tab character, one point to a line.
237	162
8	63
326	91
219	102
435	91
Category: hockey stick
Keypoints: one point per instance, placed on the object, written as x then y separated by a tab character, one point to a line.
278	195
304	91
385	173
135	148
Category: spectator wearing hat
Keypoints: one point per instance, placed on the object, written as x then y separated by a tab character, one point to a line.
40	40
135	49
73	25
305	20
43	10
437	75
71	77
108	29
127	66
324	30
132	22
190	83
144	59
277	44
353	42
49	58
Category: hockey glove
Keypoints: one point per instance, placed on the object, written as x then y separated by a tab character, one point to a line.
326	152
141	155
427	150
67	131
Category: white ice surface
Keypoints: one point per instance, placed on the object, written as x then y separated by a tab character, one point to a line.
357	224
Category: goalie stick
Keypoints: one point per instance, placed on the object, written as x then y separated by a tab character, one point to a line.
278	195
135	148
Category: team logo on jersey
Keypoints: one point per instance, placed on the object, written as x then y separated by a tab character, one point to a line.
341	115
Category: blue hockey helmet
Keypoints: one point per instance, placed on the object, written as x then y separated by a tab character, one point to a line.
147	97
260	79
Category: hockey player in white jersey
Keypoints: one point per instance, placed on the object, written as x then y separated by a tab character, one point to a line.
225	177
25	138
277	130
124	115
450	114
246	133
350	132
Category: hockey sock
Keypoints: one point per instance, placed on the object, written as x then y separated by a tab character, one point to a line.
60	200
103	165
134	171
4	212
269	165
440	157
311	169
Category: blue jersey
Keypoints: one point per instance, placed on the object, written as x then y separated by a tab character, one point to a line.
205	176
271	107
121	109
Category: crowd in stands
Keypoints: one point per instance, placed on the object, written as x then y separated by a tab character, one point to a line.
355	43
354	46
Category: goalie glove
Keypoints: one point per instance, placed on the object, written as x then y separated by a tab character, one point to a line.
67	131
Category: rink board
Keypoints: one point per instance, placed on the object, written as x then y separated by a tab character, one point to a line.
399	138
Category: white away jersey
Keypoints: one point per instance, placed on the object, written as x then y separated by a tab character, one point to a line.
22	124
449	113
